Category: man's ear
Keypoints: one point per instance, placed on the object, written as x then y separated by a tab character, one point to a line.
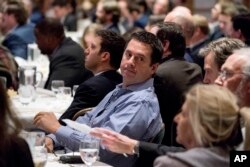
105	56
165	44
154	67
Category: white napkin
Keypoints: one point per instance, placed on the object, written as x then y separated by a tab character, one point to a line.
46	92
77	126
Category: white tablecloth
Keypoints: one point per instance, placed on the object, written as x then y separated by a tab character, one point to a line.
53	162
26	113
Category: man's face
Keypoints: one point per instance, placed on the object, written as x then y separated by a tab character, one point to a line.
225	24
232	69
92	54
160	7
43	43
136	63
59	12
100	13
211	69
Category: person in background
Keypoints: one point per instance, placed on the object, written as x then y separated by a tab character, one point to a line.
14	151
102	57
8	68
88	34
132	108
235	75
65	11
66	56
241	24
174	75
108	15
215	54
18	33
199	39
209	126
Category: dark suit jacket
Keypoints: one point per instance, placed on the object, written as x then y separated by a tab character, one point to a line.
70	22
149	151
67	63
16	153
92	91
18	39
173	78
194	52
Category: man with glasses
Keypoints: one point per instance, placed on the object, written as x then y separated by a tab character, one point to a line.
235	75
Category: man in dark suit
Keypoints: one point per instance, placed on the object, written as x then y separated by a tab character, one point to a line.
18	33
174	76
66	56
65	11
103	57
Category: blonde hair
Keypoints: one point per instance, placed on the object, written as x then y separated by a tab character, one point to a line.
90	29
215	116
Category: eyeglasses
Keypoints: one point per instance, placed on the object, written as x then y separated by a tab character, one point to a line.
223	75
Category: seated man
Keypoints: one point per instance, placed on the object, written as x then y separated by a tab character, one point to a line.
131	108
65	55
102	57
18	33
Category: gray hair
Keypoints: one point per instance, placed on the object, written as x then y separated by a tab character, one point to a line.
222	49
244	53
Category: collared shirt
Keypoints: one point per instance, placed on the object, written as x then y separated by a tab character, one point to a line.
132	111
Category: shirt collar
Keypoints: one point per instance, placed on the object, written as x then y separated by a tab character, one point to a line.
138	86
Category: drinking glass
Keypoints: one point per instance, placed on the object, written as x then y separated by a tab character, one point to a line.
74	90
89	150
56	84
26	93
64	93
40	156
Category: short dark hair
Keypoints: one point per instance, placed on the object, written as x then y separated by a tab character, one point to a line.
173	33
114	44
153	41
17	9
50	27
63	3
242	23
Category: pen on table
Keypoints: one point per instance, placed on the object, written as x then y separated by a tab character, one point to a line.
54	153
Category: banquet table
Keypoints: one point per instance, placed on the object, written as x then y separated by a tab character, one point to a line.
42	102
53	162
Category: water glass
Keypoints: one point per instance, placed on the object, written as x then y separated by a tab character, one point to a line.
40	156
64	93
89	150
56	84
26	94
74	90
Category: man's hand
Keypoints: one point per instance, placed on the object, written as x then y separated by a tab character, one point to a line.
114	141
47	121
49	144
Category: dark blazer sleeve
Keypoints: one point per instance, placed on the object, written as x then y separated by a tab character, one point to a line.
149	151
86	96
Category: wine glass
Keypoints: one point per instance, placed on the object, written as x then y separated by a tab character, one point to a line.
89	150
56	84
74	90
64	93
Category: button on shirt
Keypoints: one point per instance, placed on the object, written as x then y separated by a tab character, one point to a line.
132	111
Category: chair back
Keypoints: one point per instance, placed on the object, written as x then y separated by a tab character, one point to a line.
81	113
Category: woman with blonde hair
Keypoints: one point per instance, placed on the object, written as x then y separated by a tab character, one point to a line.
208	126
